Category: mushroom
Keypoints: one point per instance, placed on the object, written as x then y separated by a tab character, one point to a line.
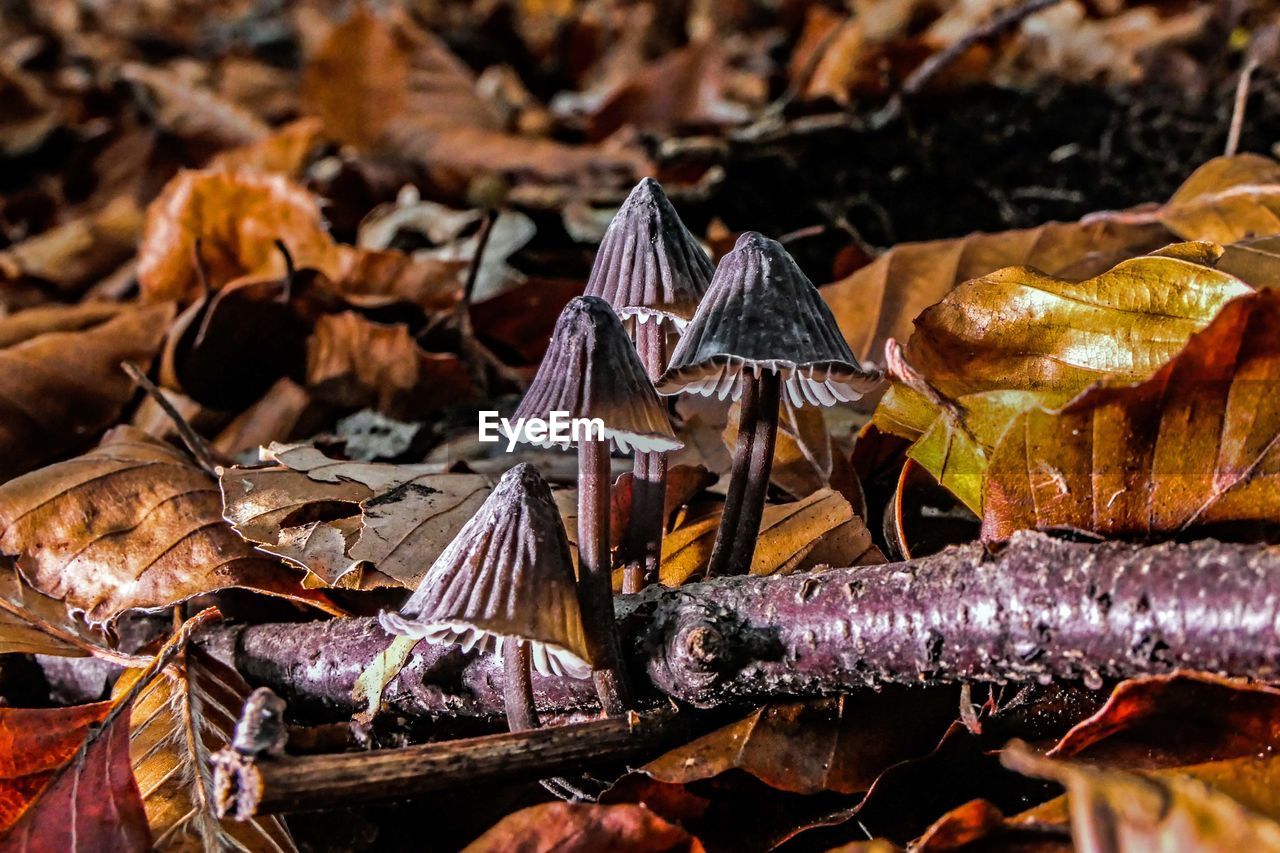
762	326
505	585
591	371
653	272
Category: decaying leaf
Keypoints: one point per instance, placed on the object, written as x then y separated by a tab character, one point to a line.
880	301
1016	339
375	678
821	529
130	524
840	744
1194	445
333	517
559	826
1112	810
77	253
355	363
35	624
181	718
59	389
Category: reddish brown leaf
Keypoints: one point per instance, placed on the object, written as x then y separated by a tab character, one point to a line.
34	743
59	390
565	827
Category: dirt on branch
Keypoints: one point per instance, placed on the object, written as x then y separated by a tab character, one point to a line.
1041	608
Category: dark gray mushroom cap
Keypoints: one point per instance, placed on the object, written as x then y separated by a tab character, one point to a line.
761	313
506	575
649	266
591	370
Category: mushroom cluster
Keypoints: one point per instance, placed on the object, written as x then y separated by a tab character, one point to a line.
746	332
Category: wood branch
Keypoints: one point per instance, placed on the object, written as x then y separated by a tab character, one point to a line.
1041	608
249	785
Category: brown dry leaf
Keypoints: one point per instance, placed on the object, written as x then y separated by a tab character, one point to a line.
1226	200
684	482
330	516
1016	339
554	827
35	624
60	388
355	363
77	253
375	70
880	301
684	88
819	530
274	417
237	216
201	118
130	524
1194	445
1115	810
287	151
371	278
840	744
179	720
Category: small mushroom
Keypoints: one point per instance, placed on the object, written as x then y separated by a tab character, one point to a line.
761	327
653	272
591	371
505	585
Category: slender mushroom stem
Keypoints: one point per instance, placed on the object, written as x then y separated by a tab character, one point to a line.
595	581
749	477
517	681
642	547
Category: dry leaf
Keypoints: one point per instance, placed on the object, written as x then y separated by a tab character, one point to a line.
34	743
840	744
58	390
1226	200
200	117
237	216
179	720
821	529
330	517
880	301
1113	811
376	676
79	252
130	524
1194	445
287	151
580	826
35	624
1002	344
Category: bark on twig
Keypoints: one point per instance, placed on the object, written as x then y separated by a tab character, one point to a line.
1040	609
249	785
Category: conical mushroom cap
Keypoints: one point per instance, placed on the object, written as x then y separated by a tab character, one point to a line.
591	370
762	313
507	575
649	265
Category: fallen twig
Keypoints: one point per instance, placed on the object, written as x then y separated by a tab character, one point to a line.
1042	608
251	785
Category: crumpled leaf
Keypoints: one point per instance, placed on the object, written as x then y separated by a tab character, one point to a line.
354	363
237	216
179	720
35	624
330	517
880	300
130	524
1112	810
286	151
191	112
1016	339
580	826
841	744
60	388
79	252
821	529
1194	445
